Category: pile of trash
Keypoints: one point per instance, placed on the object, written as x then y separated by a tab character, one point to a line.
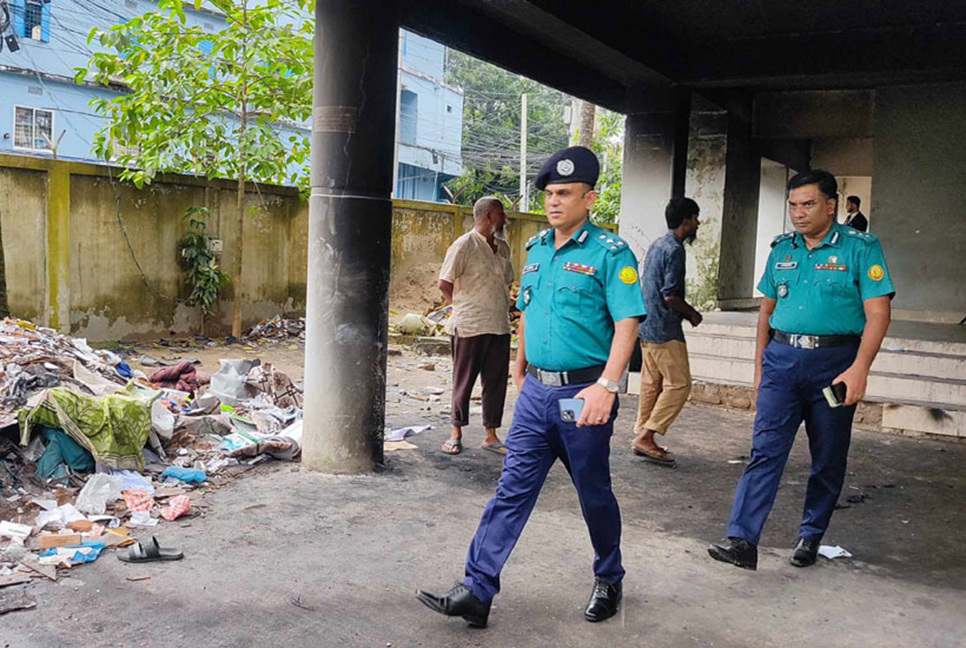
90	450
277	329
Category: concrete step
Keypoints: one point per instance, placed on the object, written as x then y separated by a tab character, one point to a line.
883	386
924	418
927	365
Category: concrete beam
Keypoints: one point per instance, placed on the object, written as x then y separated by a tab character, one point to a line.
813	114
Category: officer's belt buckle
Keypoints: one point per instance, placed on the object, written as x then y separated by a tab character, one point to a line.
553	378
806	341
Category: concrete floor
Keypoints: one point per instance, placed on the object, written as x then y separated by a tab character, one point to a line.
290	558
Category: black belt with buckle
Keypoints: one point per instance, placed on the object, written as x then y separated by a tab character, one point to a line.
815	341
561	378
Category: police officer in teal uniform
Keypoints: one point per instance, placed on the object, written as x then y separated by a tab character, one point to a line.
825	310
581	304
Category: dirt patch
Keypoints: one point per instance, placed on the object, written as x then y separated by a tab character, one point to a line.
415	291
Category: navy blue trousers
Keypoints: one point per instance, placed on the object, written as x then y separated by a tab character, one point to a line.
791	392
537	437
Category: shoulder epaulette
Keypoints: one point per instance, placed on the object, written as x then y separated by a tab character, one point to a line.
782	237
610	241
865	237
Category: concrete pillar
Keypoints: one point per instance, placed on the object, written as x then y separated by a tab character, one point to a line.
57	306
350	219
657	126
739	220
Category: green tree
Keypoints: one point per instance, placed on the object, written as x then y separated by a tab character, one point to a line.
491	128
609	147
211	104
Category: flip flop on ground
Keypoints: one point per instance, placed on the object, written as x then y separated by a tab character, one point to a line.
656	455
151	551
497	447
453	446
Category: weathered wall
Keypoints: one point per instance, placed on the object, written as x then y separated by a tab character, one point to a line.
918	184
23	203
70	265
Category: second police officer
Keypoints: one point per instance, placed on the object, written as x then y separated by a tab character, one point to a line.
581	304
825	310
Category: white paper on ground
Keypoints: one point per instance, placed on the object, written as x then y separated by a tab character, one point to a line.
14	530
833	552
142	519
401	433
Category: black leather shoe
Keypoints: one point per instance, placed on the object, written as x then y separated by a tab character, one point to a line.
736	551
458	602
604	601
806	552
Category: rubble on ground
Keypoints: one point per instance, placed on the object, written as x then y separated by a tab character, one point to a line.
91	450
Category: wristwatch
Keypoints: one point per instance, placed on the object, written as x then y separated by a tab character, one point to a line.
610	385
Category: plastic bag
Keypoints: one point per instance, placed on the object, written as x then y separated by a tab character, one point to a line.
99	491
228	383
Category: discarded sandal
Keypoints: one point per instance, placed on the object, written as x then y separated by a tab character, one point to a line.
452	447
149	552
496	448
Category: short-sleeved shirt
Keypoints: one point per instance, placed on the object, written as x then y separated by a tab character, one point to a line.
481	279
573	296
663	276
821	291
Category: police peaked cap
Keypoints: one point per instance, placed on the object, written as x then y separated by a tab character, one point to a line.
574	164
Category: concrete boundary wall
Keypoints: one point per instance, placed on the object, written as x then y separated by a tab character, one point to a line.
70	266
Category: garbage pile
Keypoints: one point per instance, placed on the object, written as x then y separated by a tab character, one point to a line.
277	329
91	450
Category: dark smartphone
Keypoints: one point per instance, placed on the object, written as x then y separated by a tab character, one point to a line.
835	394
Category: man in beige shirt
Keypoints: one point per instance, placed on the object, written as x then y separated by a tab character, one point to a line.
475	277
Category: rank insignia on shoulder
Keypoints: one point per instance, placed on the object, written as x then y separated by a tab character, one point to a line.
531	267
782	237
628	275
579	268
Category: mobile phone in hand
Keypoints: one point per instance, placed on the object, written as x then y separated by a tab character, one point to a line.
570	409
835	394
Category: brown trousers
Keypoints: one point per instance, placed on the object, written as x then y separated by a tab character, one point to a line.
665	385
486	356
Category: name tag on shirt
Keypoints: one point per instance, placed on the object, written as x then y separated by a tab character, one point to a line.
533	267
580	268
787	265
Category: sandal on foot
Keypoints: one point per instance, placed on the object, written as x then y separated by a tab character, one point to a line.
150	552
496	448
659	456
452	447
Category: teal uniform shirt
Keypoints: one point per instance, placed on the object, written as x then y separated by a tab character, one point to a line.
821	291
573	296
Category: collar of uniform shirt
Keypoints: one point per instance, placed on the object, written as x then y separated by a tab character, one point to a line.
576	237
832	237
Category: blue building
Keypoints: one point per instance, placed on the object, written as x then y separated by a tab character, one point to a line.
430	121
42	109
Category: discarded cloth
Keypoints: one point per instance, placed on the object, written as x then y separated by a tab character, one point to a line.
265	379
138	500
182	376
62	451
113	428
186	475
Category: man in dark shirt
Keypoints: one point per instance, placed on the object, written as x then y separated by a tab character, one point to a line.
856	219
665	372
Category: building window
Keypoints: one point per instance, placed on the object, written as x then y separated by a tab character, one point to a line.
30	126
408	109
449	108
34	21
